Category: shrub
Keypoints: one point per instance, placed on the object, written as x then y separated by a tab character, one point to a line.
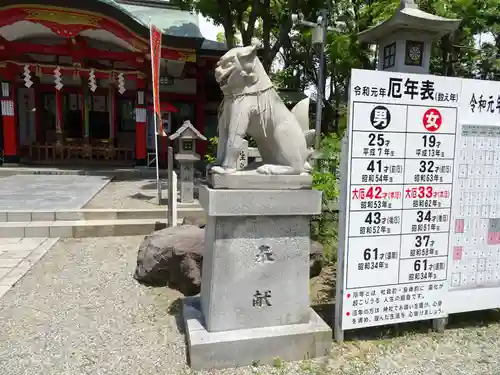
211	154
326	178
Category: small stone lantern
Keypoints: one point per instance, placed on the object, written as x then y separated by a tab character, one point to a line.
187	135
404	41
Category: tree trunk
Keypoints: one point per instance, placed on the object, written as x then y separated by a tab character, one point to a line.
228	24
229	35
266	29
496	75
248	33
447	56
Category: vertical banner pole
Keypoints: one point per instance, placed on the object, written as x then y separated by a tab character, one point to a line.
158	182
155	37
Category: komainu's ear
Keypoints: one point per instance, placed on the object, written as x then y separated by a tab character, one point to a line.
256	43
247	61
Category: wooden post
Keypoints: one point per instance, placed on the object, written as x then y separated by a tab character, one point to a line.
141	122
59	116
86	116
38	110
112	112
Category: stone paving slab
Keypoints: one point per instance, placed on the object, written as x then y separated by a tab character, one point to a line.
31	192
17	256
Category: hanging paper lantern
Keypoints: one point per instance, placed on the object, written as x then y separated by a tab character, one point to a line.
92	80
121	83
27	76
58	78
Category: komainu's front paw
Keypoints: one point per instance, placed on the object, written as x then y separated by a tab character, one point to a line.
264	169
277	170
220	170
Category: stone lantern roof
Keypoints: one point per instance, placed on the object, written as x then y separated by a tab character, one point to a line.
408	17
187	130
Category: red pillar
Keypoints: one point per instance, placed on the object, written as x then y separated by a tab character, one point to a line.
9	123
200	106
140	124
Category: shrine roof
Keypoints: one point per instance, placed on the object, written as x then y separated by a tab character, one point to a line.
410	17
179	27
171	20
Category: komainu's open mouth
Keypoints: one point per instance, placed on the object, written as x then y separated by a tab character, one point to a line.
223	74
223	80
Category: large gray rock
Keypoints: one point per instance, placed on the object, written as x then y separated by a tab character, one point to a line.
173	257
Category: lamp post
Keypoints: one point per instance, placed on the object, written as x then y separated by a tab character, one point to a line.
320	28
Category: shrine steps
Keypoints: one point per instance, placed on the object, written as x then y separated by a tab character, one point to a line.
88	222
81	228
184	210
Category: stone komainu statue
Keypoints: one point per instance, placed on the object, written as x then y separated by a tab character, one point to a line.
252	106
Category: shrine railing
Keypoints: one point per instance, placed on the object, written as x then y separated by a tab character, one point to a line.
68	152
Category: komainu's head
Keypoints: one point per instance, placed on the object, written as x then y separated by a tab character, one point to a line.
240	70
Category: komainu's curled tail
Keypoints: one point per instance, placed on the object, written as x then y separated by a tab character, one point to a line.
301	113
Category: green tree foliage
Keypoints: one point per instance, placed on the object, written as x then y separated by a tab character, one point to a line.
465	53
326	179
267	20
270	21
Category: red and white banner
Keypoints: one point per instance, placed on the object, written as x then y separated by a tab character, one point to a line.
155	65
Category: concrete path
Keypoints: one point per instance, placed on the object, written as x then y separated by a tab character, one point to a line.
35	192
17	256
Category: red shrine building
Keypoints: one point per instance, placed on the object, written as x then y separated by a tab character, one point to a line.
76	80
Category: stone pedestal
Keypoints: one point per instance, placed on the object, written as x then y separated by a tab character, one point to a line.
254	301
186	163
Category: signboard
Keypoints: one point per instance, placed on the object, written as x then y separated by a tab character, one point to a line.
394	241
474	259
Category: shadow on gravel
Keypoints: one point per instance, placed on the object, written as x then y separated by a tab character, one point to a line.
153	186
481	318
175	309
456	321
140	196
325	307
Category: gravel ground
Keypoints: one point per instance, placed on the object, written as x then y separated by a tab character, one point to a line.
79	311
119	194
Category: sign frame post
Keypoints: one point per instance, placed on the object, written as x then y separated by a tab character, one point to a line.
339	287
